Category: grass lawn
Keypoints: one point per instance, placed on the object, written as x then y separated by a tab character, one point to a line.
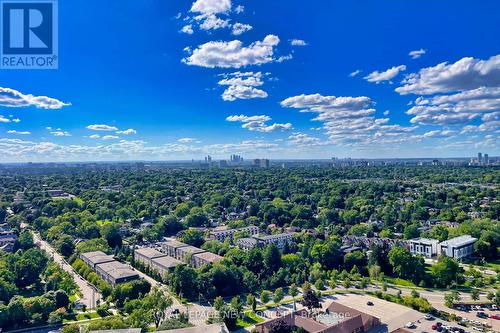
249	320
87	315
73	298
400	282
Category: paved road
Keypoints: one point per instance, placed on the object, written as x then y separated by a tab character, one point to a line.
90	296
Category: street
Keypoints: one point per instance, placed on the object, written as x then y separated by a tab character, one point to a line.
90	296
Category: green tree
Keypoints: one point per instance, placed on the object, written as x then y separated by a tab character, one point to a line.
278	295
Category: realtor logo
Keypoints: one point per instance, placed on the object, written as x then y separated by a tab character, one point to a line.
29	34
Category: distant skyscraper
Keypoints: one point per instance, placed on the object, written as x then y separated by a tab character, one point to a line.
486	159
479	158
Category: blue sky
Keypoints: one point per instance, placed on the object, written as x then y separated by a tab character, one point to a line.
166	80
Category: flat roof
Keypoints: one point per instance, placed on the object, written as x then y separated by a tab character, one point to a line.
212	328
97	257
167	262
428	241
149	252
117	270
208	256
459	241
191	249
124	330
174	244
268	237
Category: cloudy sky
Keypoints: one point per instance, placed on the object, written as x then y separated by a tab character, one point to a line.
167	80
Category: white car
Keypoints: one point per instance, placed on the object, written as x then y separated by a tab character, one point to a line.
410	325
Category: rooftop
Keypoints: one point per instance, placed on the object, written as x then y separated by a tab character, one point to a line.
97	257
208	256
167	262
149	252
124	330
212	328
117	270
459	241
191	249
428	241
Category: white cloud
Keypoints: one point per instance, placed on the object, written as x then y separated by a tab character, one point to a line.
212	22
95	136
110	137
187	29
16	120
298	42
211	6
13	98
465	74
239	9
439	134
356	72
302	139
101	127
233	54
4	119
60	132
19	132
386	75
240	28
242	85
129	131
349	120
415	54
459	108
187	140
258	123
386	112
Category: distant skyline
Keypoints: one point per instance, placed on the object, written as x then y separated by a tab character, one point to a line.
178	80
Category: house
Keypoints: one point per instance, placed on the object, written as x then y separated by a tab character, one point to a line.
458	247
337	318
426	247
200	259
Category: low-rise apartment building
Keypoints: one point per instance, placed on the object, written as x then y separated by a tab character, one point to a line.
458	247
95	258
203	258
426	247
221	235
162	265
278	239
145	255
115	272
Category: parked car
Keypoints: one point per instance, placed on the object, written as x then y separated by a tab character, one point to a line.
370	303
495	316
481	314
410	325
434	327
428	317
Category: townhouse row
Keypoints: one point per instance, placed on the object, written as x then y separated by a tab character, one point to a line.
173	253
109	269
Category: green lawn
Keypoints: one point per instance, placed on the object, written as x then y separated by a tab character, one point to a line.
400	282
249	320
87	315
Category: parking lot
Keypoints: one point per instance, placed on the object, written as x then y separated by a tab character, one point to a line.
392	315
